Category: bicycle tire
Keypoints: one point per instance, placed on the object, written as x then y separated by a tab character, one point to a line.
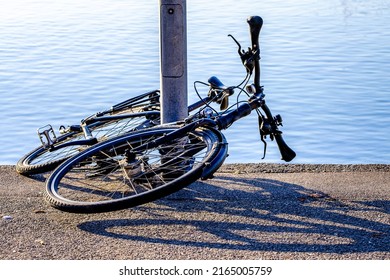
41	160
109	176
27	166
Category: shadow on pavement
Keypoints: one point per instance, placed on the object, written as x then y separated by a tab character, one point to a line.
255	215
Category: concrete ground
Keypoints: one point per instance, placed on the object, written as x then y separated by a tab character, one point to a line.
248	211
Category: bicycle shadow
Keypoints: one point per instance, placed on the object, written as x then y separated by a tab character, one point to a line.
255	215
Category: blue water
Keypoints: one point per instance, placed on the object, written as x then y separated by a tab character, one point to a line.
325	68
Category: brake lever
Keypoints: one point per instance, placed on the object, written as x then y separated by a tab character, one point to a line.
262	137
263	133
240	52
248	58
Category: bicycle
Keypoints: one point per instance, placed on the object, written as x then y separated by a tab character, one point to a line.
145	165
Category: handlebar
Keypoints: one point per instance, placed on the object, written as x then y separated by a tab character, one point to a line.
255	24
251	60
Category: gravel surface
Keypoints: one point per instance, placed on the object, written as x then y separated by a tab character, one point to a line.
294	168
248	211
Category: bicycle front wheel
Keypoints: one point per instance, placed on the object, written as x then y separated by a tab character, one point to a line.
130	170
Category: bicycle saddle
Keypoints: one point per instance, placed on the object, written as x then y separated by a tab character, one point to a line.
223	92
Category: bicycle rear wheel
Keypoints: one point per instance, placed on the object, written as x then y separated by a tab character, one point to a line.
132	169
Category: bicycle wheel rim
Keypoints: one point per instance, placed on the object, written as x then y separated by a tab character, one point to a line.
69	190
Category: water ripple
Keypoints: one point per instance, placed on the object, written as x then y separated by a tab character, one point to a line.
323	67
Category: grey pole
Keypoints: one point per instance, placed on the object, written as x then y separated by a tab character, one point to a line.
173	60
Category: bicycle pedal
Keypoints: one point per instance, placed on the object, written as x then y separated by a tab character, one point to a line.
47	136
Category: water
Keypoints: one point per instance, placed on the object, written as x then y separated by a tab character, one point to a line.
325	68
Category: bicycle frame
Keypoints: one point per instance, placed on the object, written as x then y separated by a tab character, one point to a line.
151	119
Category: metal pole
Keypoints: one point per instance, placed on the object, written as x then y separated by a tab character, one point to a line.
173	60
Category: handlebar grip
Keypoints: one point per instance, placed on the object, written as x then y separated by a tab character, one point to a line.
255	24
286	152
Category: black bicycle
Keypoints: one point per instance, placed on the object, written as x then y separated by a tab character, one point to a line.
148	164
